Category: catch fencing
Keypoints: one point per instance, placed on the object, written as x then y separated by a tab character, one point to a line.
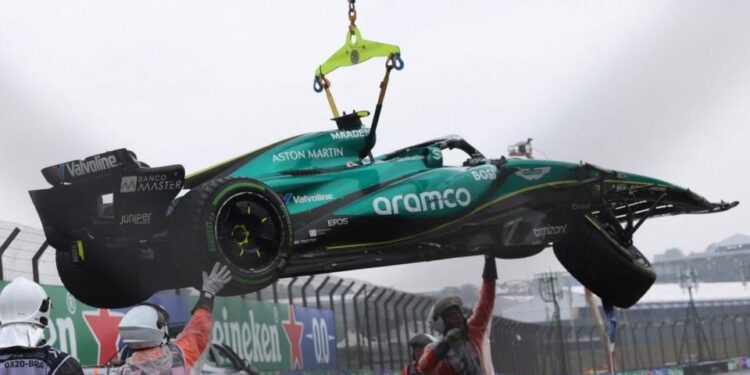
374	324
520	348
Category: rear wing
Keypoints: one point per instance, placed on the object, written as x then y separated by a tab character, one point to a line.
108	196
89	168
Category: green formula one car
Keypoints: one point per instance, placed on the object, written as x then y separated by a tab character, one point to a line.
321	202
317	203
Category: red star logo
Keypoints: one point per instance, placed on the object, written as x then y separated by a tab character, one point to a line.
293	331
103	325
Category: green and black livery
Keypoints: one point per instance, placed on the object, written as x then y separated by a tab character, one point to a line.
311	204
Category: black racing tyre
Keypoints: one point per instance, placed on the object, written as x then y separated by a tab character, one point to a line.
618	274
239	222
91	281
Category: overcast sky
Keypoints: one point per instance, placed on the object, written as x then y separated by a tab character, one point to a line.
660	88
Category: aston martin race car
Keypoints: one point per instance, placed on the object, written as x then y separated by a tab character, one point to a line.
320	202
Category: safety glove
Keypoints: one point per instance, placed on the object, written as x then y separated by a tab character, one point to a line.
220	275
490	268
451	337
212	283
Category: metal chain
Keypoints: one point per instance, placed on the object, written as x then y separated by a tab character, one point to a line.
352	14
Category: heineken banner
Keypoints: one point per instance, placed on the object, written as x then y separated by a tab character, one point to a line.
270	336
276	337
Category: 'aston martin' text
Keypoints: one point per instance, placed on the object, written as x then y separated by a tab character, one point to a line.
321	153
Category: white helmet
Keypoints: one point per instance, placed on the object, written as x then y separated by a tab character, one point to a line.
24	302
436	313
144	326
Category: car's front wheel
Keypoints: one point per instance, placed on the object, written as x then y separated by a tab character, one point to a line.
618	273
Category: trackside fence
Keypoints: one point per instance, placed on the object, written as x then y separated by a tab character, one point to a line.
373	324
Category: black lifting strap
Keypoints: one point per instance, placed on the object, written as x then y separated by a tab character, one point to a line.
370	140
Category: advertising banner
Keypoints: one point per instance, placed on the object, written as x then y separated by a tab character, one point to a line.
270	336
318	338
276	337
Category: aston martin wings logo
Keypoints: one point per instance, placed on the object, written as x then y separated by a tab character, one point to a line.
533	174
